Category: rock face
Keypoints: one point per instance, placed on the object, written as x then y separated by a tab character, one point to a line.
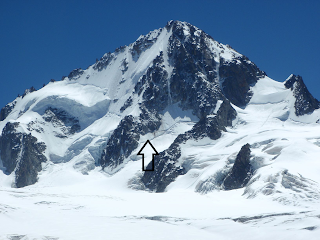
22	154
241	171
10	146
194	81
61	119
237	77
75	74
305	103
6	110
120	145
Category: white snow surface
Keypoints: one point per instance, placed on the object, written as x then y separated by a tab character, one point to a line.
74	199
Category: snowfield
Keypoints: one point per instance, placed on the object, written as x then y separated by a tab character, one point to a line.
92	210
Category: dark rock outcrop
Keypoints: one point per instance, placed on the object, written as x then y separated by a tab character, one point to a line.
61	119
194	83
10	145
305	103
241	171
103	62
125	138
237	77
122	142
156	95
30	162
6	110
21	153
27	91
142	44
127	104
165	169
192	55
75	74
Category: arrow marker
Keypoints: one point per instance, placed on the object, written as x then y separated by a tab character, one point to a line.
148	150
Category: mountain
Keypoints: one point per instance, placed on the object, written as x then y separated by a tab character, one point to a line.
218	122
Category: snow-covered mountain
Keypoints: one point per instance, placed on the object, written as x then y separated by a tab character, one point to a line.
221	126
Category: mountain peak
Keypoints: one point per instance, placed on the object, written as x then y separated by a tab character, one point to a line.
172	23
305	103
183	30
175	82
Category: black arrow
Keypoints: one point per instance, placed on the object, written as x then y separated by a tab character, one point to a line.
140	153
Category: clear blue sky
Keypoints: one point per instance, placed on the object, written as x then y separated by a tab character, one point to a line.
41	40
